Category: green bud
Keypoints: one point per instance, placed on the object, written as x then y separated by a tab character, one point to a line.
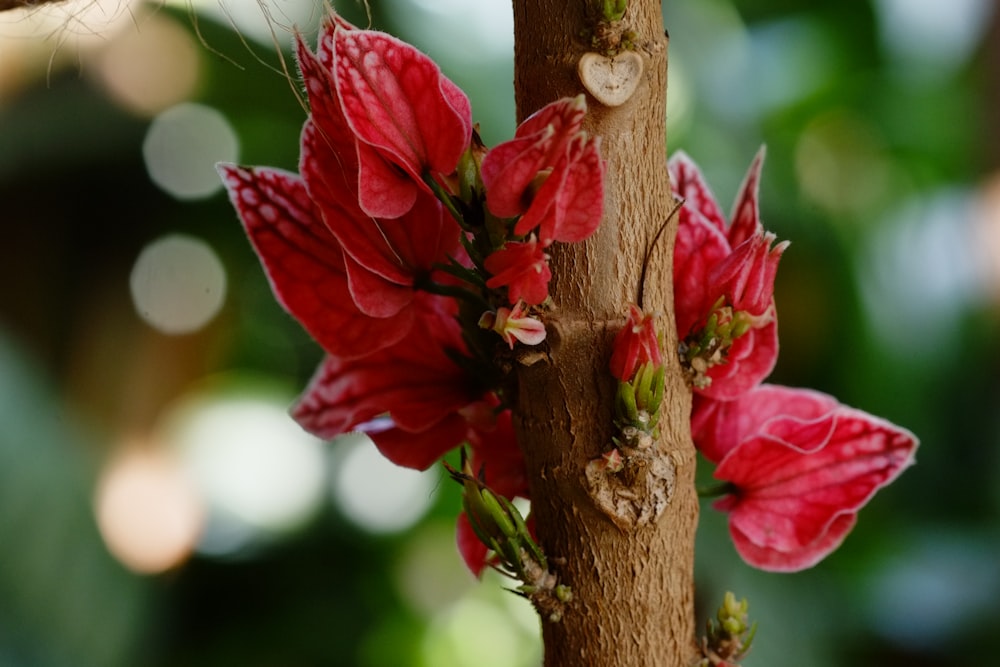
613	10
563	593
733	626
496	511
643	382
626	408
741	324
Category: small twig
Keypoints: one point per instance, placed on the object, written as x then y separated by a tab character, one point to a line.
22	4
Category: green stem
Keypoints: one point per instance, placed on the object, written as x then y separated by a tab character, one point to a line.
445	197
452	291
716	490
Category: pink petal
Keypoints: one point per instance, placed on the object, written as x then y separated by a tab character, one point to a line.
541	142
565	117
772	560
700	246
397	101
508	170
333	186
383	190
798	477
745	216
304	262
579	204
718	426
325	110
750	359
373	295
415	381
689	184
746	276
396	250
635	345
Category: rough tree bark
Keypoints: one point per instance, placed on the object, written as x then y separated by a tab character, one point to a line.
633	588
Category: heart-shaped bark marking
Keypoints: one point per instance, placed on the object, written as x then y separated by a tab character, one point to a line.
612	81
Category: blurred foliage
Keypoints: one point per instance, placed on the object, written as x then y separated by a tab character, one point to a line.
880	154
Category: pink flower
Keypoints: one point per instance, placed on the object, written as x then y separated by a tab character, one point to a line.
513	325
800	466
635	345
523	269
550	174
411	123
724	283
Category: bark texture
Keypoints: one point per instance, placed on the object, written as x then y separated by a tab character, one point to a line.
632	587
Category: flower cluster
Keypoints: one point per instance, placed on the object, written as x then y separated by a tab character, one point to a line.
411	253
796	465
417	258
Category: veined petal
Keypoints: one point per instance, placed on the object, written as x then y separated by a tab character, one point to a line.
700	247
772	560
415	381
304	263
689	184
718	426
750	359
397	101
549	156
745	216
797	479
579	202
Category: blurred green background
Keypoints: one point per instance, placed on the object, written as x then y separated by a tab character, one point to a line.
157	507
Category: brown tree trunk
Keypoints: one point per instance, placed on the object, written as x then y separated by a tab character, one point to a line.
633	586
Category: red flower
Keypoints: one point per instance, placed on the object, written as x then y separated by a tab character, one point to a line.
410	121
550	174
635	345
724	278
523	269
801	466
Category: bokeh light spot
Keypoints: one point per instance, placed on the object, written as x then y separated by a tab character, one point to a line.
260	473
478	633
178	284
149	70
148	512
431	575
182	146
375	493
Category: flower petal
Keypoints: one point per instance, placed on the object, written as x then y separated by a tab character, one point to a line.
745	217
415	381
699	248
796	477
472	550
750	359
304	262
397	101
689	184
